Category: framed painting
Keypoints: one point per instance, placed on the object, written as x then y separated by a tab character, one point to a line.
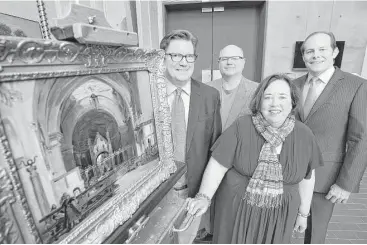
85	136
16	26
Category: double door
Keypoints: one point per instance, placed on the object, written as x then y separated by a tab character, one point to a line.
217	25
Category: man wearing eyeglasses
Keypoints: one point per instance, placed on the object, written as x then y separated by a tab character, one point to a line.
195	112
235	92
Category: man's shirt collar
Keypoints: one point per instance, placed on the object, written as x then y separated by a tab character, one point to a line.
171	88
325	76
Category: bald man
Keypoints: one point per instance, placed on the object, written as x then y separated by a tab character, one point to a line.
236	93
235	90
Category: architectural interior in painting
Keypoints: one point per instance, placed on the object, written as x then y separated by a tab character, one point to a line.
86	148
98	130
94	140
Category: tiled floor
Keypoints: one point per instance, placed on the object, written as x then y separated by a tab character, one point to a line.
349	221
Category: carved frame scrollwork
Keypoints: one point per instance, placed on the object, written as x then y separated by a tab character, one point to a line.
39	59
16	52
7	233
15	185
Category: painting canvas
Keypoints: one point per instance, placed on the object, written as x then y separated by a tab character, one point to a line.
15	26
86	134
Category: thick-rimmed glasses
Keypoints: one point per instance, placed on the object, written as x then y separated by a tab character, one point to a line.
190	58
230	58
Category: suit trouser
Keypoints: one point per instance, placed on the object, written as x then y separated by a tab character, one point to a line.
188	236
318	221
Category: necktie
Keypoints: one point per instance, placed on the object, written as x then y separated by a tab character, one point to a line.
311	96
178	126
179	132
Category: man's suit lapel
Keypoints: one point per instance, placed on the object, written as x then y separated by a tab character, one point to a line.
335	80
193	112
239	101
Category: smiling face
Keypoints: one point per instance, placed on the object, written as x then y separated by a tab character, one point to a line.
179	73
318	54
230	67
276	103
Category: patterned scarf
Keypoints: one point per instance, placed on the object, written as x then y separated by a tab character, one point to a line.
265	188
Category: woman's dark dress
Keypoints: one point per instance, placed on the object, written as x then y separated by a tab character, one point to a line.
238	149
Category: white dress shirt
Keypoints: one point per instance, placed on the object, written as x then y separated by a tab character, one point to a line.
324	77
185	95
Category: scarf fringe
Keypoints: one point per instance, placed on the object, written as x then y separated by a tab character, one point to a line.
263	200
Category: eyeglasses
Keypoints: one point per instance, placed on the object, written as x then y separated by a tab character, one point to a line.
231	58
190	58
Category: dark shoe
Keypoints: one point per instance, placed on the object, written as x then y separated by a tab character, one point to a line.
204	238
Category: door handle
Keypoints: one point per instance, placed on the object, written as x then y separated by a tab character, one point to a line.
136	228
186	223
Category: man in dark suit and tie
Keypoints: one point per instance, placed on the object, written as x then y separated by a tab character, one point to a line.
334	107
195	111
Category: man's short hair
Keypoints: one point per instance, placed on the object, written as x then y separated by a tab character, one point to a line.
255	104
178	35
330	34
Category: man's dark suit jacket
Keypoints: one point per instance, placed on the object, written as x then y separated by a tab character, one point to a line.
203	128
338	120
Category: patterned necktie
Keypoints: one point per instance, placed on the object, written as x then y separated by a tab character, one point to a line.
178	126
179	135
311	96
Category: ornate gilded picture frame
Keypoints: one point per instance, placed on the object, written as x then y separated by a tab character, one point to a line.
85	138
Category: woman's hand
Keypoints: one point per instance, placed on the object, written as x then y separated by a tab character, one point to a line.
301	224
197	206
